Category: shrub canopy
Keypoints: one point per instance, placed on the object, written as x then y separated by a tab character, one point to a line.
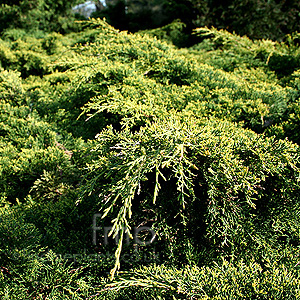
200	144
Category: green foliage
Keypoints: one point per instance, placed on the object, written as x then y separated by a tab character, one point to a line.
234	169
172	32
223	280
47	276
33	16
25	57
27	148
28	145
18	240
280	57
200	144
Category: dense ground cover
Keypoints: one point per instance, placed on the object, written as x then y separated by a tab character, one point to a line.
200	144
